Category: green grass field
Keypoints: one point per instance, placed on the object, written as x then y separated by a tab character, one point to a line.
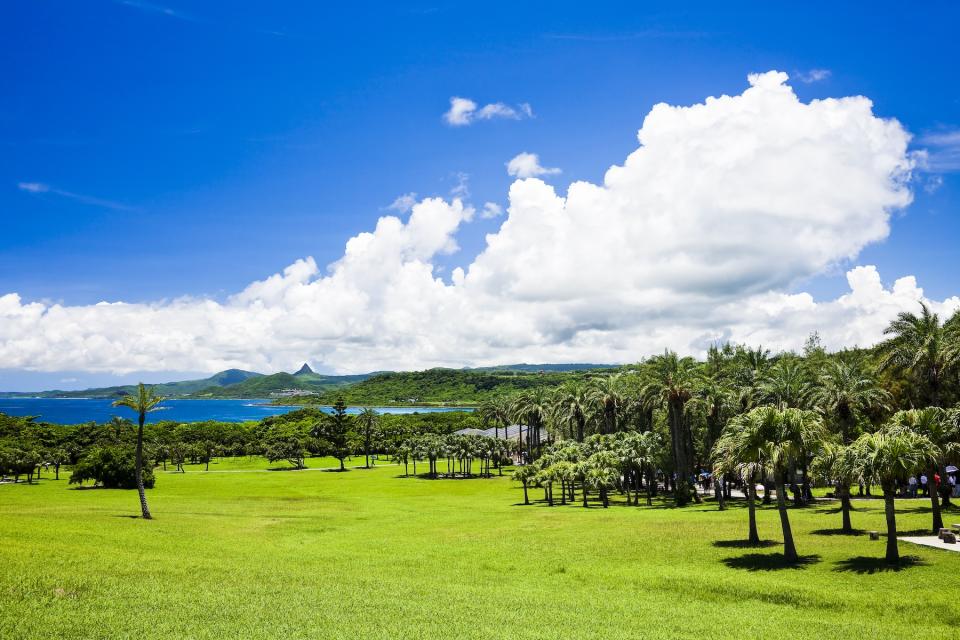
368	554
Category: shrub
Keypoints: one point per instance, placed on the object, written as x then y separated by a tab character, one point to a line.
111	467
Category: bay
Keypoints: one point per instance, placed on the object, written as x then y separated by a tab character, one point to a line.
78	410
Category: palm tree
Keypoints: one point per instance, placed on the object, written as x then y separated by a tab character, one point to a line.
731	457
843	391
888	456
524	475
935	424
367	420
143	402
673	382
532	406
605	393
924	347
787	384
571	406
602	474
840	463
718	403
774	440
496	411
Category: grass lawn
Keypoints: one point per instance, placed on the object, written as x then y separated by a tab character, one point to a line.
368	554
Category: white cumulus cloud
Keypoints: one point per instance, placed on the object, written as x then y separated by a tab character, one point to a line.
527	165
697	236
464	111
813	75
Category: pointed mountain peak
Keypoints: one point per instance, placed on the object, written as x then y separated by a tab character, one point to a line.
305	369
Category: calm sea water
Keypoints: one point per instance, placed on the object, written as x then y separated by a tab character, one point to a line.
77	410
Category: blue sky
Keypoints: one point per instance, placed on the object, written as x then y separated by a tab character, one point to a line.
156	150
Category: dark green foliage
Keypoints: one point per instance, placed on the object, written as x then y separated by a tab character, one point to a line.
445	386
113	467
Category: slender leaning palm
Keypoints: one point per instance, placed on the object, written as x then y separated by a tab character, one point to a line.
143	402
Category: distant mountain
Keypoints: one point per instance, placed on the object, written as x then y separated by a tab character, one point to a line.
301	383
166	389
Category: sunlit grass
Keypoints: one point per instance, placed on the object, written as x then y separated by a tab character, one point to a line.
369	554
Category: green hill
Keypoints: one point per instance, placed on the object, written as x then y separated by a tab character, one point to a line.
266	386
443	386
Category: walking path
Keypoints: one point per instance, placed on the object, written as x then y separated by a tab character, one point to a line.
932	541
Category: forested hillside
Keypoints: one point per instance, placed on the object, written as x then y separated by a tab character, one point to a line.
445	386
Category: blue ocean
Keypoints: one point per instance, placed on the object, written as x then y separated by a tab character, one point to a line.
77	410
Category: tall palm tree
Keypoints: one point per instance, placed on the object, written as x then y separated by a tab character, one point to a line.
888	456
673	381
718	403
775	440
367	420
571	406
921	345
935	424
605	392
496	411
843	392
143	402
532	406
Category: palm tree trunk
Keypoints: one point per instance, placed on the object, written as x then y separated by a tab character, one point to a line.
789	550
144	509
752	537
844	491
893	553
526	499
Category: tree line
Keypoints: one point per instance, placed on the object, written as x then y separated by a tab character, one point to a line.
743	416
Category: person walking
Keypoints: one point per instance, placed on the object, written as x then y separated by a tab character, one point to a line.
924	485
912	487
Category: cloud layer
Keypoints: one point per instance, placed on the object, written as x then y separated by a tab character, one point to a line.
696	237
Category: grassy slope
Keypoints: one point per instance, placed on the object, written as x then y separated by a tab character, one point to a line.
444	386
369	555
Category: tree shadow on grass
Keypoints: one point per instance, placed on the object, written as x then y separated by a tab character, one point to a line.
768	562
744	544
923	531
870	565
838	532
